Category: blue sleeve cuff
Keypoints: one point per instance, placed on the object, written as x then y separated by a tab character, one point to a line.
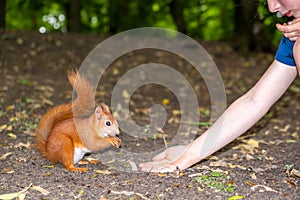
284	52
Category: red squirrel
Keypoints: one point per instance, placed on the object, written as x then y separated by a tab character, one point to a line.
67	132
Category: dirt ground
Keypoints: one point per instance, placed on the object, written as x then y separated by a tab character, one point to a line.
261	164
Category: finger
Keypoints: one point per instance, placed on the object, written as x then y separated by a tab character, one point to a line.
296	20
293	21
293	38
292	28
154	163
282	28
160	156
144	164
167	169
147	167
160	169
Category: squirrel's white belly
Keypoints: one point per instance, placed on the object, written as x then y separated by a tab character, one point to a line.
79	152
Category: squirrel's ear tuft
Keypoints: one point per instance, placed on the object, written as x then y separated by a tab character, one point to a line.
98	112
105	108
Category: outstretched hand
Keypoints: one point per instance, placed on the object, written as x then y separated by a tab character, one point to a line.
170	160
291	29
163	162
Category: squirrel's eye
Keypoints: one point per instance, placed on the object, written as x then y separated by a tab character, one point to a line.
108	123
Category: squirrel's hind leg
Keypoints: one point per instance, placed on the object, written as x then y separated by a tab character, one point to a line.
67	156
66	149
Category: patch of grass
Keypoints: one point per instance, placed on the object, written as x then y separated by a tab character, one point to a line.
218	181
147	130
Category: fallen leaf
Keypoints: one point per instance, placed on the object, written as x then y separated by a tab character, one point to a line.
291	182
9	196
295	135
176	112
39	189
197	174
22	196
286	128
83	162
235	197
80	192
102	171
92	160
263	188
19	195
253	143
250	183
204	111
295	173
4	156
9	128
249	157
213	158
7	171
14	119
10	107
129	193
291	141
165	101
161	174
115	71
173	120
109	162
221	163
49	166
3	127
294	88
27	145
11	135
125	94
176	184
46	101
95	175
133	166
181	174
48	174
20	41
253	176
218	163
160	136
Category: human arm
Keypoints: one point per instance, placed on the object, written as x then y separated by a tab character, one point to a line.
236	120
296	54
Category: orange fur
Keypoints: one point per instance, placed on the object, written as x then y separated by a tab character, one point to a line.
75	125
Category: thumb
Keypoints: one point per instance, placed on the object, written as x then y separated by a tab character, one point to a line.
160	156
281	27
296	20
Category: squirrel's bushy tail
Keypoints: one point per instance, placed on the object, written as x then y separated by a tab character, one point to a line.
82	106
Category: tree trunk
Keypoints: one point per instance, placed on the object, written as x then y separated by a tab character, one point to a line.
2	13
176	9
73	15
117	10
245	14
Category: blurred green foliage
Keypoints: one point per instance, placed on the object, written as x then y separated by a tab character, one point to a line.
205	19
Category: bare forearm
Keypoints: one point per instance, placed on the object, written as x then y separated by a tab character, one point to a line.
245	111
236	120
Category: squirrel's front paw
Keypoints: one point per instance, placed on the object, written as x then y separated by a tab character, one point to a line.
115	141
